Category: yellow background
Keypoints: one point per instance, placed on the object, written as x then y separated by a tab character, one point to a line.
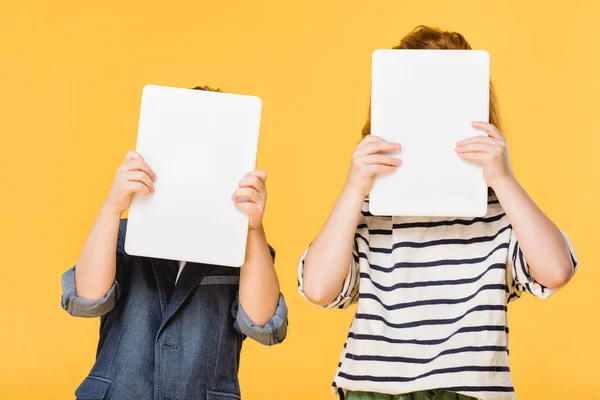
71	76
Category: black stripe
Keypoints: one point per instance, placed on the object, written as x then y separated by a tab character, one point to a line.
479	389
512	296
493	202
573	260
434	224
361	226
514	262
405	285
470	368
419	245
387	232
523	263
427	264
466	329
430	302
358	235
483	307
468	349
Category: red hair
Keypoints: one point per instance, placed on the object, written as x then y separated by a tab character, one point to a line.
425	37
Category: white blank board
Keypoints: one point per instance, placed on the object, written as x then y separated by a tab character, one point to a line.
426	100
199	144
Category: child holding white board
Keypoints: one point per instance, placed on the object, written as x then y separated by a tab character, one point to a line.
432	292
167	330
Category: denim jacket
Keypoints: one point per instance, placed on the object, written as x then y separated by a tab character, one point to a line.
164	342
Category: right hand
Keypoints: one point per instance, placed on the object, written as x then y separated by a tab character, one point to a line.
368	160
133	176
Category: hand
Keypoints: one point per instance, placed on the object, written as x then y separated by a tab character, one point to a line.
251	197
491	152
368	160
133	176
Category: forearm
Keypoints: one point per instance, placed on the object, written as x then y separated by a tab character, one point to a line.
259	286
96	267
329	258
543	245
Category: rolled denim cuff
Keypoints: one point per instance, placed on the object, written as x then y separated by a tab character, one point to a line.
78	307
273	332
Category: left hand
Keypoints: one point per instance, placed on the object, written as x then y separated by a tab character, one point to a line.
251	197
490	152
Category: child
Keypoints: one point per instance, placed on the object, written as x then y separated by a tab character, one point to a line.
432	292
169	332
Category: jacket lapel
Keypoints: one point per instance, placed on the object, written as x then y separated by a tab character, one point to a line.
190	277
160	284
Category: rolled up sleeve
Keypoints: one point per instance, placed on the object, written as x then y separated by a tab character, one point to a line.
519	277
273	332
349	293
78	307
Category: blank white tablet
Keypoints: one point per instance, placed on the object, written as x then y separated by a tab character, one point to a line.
426	100
200	144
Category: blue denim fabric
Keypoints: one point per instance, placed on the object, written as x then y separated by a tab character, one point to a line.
184	347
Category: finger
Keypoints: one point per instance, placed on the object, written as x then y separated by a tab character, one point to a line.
378	147
253	182
247	194
490	129
132	155
260	174
369	139
140	165
475	139
375	169
136	187
140	176
478	158
382	159
248	208
477	147
484	140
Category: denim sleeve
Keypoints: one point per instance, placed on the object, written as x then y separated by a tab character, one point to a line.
273	332
78	307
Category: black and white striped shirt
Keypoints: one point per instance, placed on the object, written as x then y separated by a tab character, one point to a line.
432	296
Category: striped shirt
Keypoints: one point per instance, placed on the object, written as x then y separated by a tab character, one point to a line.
431	312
